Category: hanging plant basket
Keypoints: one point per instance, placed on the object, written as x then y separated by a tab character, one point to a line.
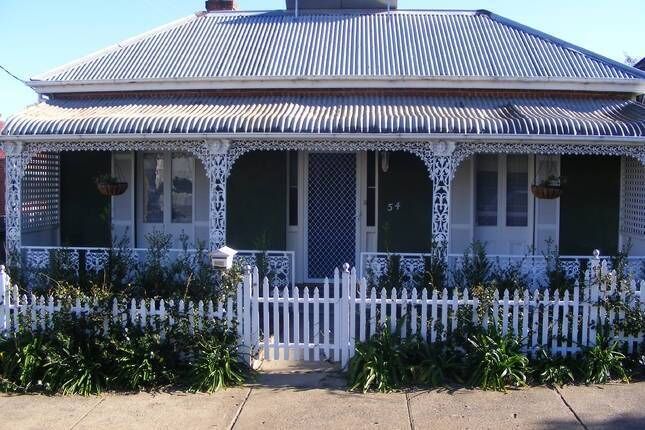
547	192
112	188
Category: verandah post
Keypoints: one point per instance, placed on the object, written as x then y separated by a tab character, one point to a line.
344	302
440	164
217	168
14	171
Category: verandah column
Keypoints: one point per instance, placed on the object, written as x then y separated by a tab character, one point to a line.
217	167
14	171
439	160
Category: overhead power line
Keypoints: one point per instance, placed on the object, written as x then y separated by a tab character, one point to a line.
12	75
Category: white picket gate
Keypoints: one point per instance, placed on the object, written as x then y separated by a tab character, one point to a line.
287	324
325	322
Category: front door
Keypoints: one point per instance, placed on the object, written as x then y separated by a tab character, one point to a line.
331	213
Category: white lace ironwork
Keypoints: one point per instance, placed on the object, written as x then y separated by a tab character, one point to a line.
280	265
441	159
374	266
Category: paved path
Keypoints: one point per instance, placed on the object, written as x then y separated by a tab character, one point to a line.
290	397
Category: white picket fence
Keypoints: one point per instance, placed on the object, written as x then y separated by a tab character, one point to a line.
325	322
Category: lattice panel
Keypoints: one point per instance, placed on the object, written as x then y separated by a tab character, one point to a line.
331	216
41	193
633	219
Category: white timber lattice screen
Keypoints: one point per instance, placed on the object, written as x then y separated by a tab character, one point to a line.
41	193
633	219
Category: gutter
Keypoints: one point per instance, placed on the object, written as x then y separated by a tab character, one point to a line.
635	86
428	138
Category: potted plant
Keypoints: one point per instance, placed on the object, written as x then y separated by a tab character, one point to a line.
110	186
549	188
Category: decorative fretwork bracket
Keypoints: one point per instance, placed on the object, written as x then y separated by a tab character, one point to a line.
439	159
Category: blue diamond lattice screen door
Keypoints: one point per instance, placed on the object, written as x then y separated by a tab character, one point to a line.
331	213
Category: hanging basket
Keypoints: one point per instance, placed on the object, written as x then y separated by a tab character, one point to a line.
546	192
112	188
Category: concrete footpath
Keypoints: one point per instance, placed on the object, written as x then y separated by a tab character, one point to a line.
314	398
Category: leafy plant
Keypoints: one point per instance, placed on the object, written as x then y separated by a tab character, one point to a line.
21	361
556	276
510	277
392	278
106	179
496	361
143	361
603	362
75	365
435	268
216	362
153	278
432	364
475	268
378	364
553	370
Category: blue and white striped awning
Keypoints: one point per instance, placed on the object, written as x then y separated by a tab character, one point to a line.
325	113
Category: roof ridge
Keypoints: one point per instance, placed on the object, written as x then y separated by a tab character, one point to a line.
108	49
566	45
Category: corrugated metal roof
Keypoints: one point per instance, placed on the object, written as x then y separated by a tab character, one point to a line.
342	43
476	115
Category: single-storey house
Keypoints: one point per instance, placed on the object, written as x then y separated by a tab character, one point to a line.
333	135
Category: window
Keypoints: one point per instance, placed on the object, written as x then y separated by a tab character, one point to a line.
371	189
517	190
182	188
486	190
162	204
509	173
293	188
153	192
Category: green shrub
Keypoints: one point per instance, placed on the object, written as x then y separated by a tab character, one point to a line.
603	362
495	361
475	268
142	360
553	370
509	277
216	363
75	364
22	357
378	363
432	364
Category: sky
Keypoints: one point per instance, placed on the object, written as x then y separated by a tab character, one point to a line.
38	35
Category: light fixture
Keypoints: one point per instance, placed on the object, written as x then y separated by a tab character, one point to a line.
385	161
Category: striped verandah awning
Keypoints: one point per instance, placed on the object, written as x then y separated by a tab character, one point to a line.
552	115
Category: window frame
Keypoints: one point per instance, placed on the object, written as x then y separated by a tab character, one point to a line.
502	194
167	222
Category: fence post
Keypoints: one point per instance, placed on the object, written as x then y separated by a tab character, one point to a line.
255	310
344	317
245	306
4	298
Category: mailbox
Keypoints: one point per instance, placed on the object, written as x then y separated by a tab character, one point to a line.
223	257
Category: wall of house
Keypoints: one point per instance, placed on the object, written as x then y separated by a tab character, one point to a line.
85	213
257	201
543	215
41	200
632	220
404	205
589	206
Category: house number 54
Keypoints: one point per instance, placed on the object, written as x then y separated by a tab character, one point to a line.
396	206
